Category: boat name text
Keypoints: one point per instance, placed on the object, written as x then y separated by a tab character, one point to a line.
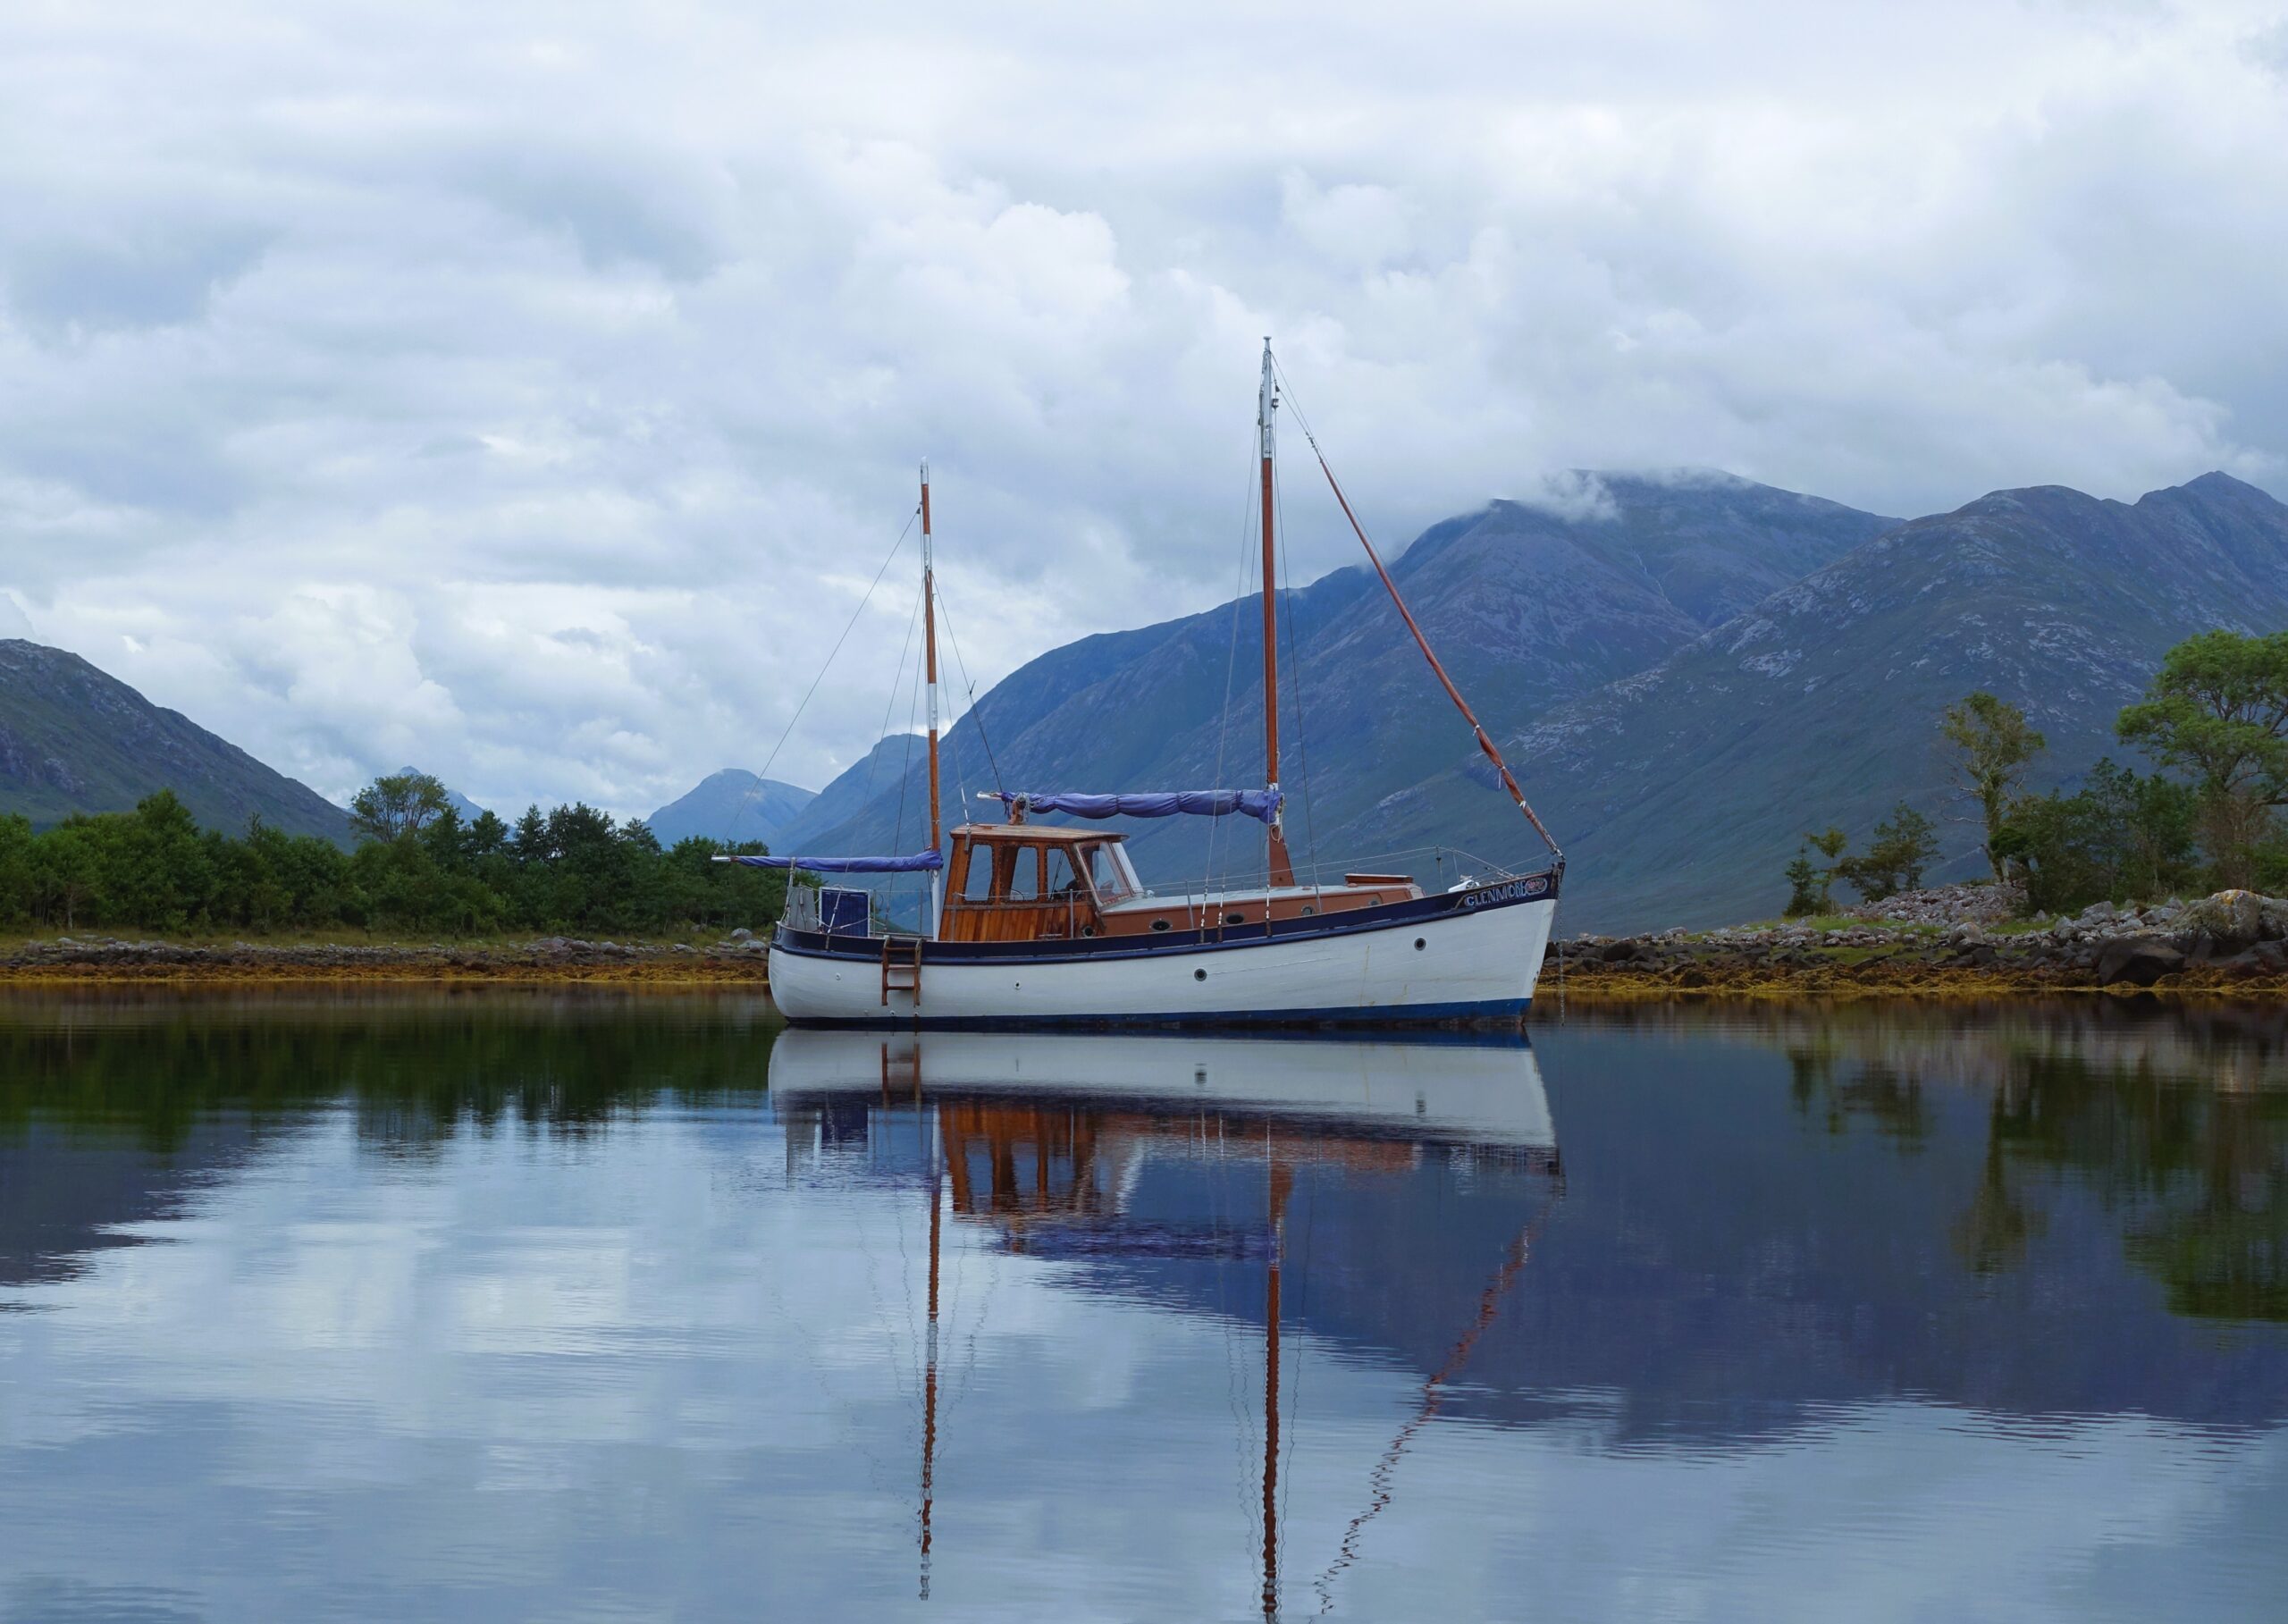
1514	891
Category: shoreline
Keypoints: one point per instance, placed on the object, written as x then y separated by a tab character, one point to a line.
1626	970
555	960
1601	984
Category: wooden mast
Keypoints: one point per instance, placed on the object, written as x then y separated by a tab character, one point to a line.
929	655
930	1380
1283	871
1282	1179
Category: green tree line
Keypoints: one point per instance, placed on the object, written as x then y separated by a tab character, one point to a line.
2213	722
417	866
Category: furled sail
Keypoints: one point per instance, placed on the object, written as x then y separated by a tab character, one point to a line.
1263	803
912	862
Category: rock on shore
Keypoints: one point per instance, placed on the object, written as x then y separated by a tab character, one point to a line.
1958	936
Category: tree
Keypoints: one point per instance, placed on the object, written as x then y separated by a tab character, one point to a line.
574	867
2218	710
1903	846
2121	838
1992	744
18	877
397	803
1809	885
1803	885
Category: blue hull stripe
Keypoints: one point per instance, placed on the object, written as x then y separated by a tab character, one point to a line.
1487	1012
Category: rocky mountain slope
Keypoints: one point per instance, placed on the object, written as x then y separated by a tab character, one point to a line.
1679	793
75	740
732	805
1527	607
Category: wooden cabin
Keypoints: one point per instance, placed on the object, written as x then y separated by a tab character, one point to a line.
1024	882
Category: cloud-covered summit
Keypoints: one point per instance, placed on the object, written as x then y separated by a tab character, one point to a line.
532	392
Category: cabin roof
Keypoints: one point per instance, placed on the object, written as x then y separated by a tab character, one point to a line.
1045	834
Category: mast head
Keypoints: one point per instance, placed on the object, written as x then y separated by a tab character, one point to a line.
1267	400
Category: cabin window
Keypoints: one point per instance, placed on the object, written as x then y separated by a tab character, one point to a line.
978	885
1024	874
1063	882
1113	879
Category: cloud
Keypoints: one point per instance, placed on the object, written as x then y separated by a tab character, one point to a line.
531	394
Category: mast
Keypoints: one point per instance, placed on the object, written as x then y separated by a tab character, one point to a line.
929	1389
1283	871
930	654
1282	1179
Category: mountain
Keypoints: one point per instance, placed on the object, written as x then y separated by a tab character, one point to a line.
75	740
470	811
732	805
1680	792
1527	607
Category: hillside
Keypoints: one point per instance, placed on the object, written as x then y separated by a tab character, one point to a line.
75	740
1679	793
733	804
1527	607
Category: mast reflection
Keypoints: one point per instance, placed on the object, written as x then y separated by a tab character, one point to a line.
1131	1153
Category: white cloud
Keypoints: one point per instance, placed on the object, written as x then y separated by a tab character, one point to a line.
519	392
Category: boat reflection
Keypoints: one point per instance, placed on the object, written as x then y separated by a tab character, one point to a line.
1184	1166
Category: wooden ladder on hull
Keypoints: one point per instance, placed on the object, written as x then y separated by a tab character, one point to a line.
901	967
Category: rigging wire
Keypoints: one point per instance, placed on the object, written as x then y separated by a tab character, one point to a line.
906	764
1485	745
1230	666
896	547
898	681
969	686
1295	682
1434	1393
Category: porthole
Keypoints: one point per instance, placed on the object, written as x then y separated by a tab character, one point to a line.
1199	975
1419	944
1307	909
1235	918
1159	924
1088	929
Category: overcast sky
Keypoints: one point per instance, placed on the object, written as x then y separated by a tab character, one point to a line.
529	391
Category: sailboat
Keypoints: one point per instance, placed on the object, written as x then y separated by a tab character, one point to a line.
1049	924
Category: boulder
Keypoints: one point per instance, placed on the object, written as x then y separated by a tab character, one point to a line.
2234	918
2266	958
2137	961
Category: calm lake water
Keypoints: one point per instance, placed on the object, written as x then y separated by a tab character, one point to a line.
513	1305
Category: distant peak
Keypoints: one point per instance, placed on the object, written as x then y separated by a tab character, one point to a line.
2218	485
1575	495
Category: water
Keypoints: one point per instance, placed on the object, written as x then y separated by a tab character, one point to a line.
534	1305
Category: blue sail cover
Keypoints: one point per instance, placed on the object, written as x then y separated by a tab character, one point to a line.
1262	804
914	862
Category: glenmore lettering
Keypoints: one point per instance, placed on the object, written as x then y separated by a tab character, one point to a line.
1509	892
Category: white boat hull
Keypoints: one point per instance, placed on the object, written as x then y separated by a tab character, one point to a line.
1485	1093
1467	964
